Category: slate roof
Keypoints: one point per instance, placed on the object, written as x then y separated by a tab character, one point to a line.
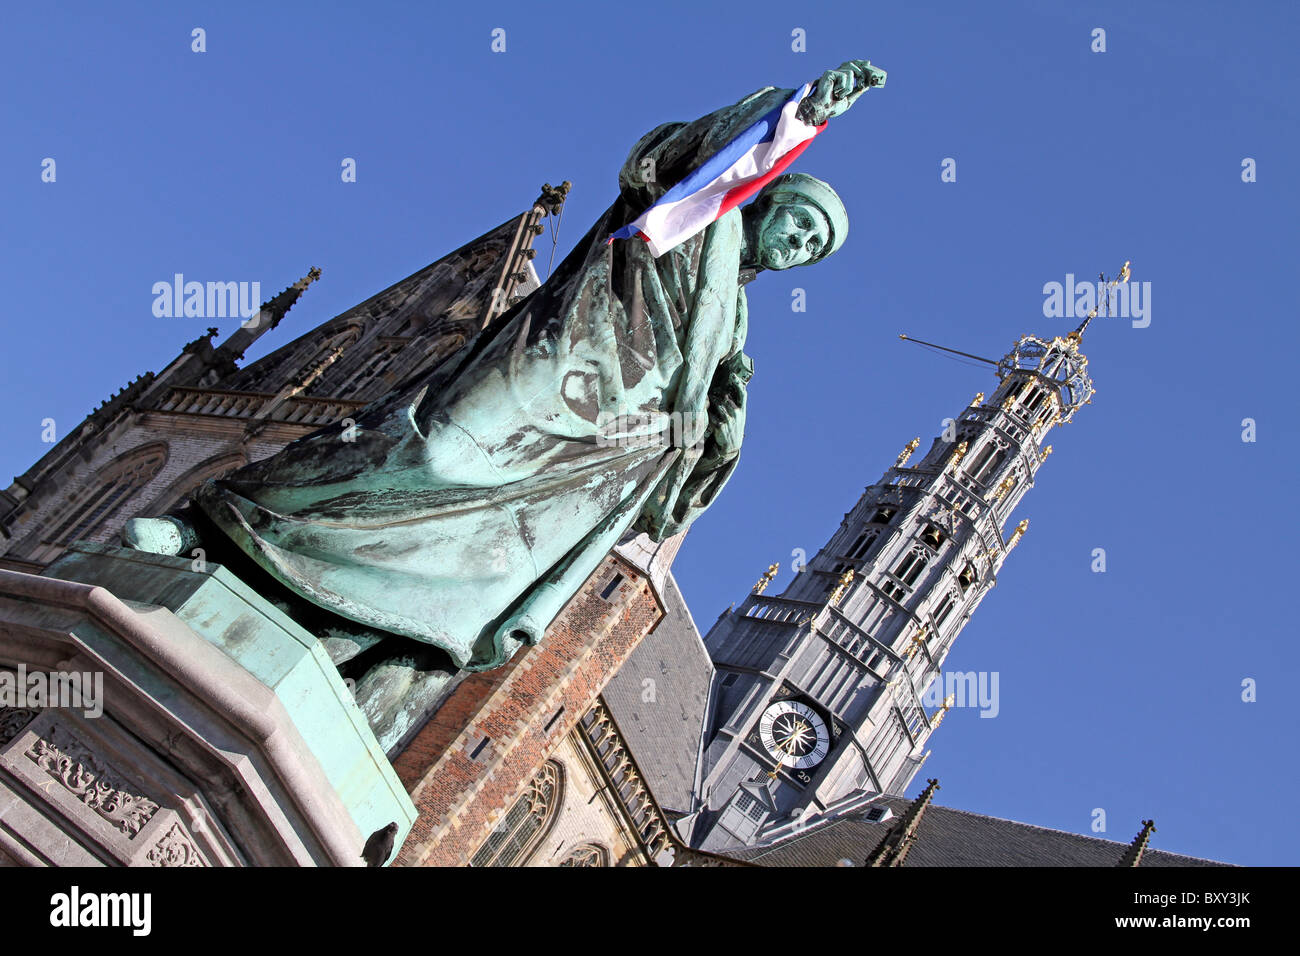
949	837
664	733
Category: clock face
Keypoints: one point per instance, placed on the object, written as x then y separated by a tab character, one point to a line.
794	735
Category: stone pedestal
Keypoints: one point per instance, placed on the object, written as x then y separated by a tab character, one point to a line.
226	737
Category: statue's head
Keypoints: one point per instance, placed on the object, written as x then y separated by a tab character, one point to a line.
796	220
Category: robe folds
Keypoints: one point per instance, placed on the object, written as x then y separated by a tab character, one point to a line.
467	506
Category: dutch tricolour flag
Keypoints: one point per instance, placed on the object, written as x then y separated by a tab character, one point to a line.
729	177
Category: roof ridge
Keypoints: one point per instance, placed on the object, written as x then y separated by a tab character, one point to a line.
1082	836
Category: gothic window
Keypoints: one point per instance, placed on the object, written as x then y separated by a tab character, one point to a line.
186	484
884	515
861	545
985	462
589	854
526	822
893	590
1033	398
107	491
944	609
910	568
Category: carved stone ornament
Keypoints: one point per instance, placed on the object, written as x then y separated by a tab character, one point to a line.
13	720
175	848
71	763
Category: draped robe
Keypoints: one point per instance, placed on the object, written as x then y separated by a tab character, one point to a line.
466	507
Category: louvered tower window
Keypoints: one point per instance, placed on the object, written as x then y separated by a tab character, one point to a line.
910	568
985	462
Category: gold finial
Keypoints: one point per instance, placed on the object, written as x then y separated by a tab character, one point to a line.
1008	483
937	719
907	452
1018	534
978	400
958	455
761	585
845	580
1043	457
918	641
1008	403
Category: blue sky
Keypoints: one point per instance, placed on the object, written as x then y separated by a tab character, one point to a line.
1120	690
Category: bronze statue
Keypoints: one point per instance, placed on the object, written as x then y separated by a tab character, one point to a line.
466	507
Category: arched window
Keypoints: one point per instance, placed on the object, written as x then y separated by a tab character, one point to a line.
188	483
106	492
525	823
589	854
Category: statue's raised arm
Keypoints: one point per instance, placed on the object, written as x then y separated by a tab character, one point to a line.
839	89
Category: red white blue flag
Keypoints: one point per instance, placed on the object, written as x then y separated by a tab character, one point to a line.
726	179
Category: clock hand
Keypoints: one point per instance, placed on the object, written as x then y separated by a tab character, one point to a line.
784	748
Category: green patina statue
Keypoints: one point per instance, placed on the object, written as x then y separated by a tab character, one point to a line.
465	508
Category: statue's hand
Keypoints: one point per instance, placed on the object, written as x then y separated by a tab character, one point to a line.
838	89
727	424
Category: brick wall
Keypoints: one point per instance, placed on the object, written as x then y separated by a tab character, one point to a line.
460	784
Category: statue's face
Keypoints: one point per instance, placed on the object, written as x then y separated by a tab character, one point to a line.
791	234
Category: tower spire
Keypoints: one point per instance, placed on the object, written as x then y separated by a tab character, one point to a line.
1124	274
853	643
267	317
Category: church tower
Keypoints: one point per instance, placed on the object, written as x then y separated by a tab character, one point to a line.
817	698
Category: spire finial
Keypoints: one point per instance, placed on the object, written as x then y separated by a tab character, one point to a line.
1133	855
957	456
1125	273
894	847
841	586
273	310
